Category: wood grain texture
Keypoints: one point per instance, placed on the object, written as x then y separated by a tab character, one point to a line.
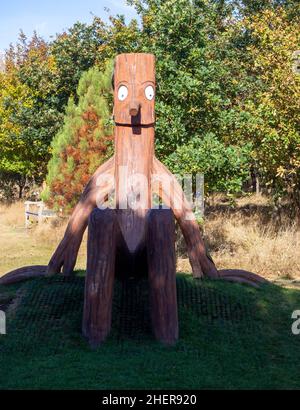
66	253
229	274
133	167
162	275
100	275
134	156
135	71
24	273
174	198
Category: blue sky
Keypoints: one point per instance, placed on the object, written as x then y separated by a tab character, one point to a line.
49	17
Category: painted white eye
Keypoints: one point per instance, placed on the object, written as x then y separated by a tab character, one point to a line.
149	92
122	93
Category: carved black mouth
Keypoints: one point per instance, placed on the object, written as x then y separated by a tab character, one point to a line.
119	124
136	128
136	122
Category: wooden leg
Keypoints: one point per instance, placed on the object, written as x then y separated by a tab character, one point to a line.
162	275
100	274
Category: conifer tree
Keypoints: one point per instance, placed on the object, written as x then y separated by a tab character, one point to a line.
83	143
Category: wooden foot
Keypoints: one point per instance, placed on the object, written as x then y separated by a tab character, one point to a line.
242	276
100	274
162	275
22	274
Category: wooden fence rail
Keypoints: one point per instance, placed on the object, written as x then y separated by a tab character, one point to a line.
38	211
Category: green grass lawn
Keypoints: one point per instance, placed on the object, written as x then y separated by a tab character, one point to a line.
231	336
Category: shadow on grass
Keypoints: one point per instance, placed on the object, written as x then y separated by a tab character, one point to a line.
231	336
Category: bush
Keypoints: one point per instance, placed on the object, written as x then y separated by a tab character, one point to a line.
225	168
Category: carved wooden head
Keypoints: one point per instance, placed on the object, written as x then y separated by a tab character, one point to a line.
134	89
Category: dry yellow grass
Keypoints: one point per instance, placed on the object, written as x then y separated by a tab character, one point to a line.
262	249
250	237
20	247
12	215
245	237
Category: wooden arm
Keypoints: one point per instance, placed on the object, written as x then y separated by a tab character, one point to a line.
171	193
93	195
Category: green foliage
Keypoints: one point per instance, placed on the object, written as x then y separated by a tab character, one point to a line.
118	37
277	105
233	79
74	52
38	80
28	116
225	167
249	7
195	92
266	110
84	141
223	69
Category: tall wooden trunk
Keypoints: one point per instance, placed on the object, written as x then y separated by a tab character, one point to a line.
133	168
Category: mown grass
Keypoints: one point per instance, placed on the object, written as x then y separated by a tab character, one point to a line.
231	337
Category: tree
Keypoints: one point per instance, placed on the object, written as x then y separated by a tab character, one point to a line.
118	37
16	163
223	75
195	90
84	141
276	105
38	79
249	7
258	51
225	167
29	116
74	52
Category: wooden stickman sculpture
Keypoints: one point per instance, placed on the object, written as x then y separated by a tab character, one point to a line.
133	236
134	116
